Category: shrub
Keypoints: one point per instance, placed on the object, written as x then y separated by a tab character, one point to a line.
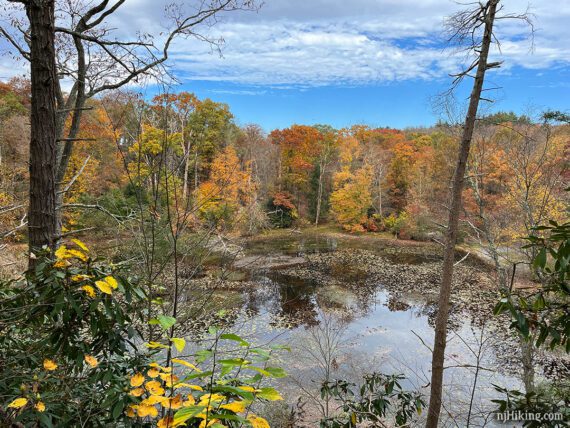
213	387
282	210
66	341
379	398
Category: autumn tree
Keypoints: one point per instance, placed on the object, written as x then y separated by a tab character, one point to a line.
298	153
352	199
91	55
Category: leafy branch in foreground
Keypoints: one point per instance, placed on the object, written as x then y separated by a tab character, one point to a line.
547	309
379	398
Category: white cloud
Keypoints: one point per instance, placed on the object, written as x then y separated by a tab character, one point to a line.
322	42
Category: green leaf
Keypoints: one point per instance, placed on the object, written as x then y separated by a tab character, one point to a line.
187	413
269	394
235	338
164	321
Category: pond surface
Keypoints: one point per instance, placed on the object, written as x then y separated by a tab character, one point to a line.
363	328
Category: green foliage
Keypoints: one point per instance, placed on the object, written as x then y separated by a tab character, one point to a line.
506	117
66	333
380	397
394	223
546	310
535	404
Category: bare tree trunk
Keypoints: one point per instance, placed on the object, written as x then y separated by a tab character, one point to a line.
186	169
488	15
320	193
42	211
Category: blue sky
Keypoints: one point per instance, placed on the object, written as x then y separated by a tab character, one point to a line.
378	62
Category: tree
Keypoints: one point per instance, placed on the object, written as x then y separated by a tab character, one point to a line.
466	26
92	56
42	216
352	198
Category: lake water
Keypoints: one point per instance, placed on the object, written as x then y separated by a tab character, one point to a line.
344	331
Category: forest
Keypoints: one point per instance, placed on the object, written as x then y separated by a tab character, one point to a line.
163	264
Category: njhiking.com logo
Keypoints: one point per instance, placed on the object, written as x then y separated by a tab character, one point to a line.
519	415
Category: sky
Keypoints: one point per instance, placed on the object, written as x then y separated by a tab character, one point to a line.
376	62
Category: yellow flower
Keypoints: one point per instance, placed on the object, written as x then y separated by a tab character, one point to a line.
91	360
61	264
111	281
137	392
89	290
131	411
80	244
173	403
154	387
40	407
61	252
189	401
169	379
18	403
257	421
137	380
144	411
80	277
104	287
152	373
77	254
166	422
236	406
153	399
49	365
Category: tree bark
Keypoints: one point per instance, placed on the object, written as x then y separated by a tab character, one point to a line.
440	340
42	229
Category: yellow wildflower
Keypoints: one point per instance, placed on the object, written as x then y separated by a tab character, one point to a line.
131	411
153	399
40	407
61	264
137	392
169	379
49	365
77	254
89	290
91	360
166	422
61	252
144	411
104	287
173	403
154	387
111	281
80	277
137	380
80	244
18	403
152	373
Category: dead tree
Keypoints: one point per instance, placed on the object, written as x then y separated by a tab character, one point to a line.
466	26
95	60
